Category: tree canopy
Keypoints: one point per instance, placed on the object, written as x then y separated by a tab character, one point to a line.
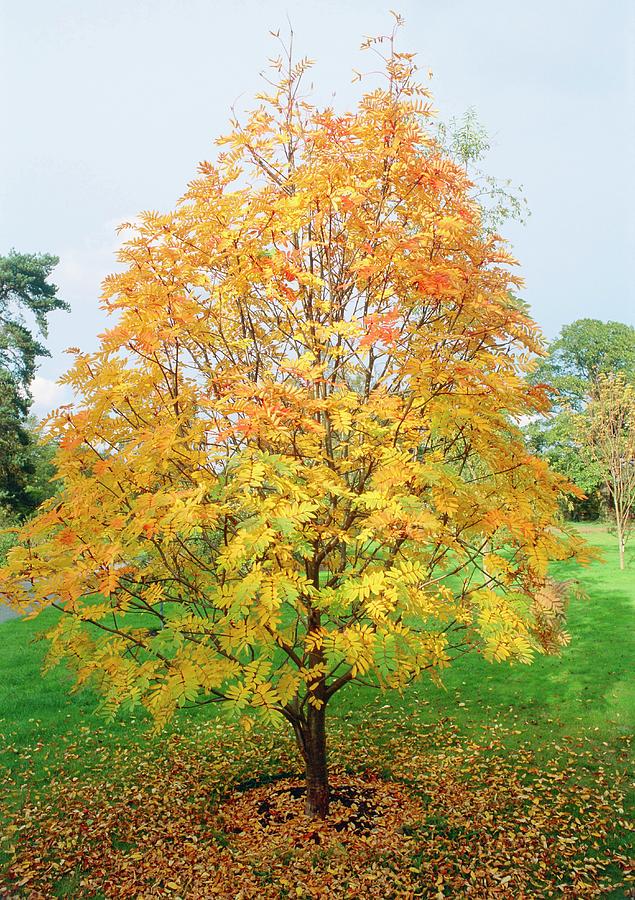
576	361
583	351
25	288
25	292
294	463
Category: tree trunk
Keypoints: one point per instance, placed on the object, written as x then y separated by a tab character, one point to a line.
620	530
311	738
317	778
311	729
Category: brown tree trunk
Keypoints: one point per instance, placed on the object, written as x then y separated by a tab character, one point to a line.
317	778
310	733
310	728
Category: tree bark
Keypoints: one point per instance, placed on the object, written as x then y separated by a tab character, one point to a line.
310	728
317	778
310	735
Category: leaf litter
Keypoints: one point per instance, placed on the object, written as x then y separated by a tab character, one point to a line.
428	813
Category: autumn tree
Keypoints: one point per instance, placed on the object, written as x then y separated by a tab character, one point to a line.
294	463
608	431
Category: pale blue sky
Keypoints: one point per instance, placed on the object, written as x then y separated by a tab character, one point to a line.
110	104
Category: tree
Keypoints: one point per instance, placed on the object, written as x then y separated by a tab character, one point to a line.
466	141
294	463
24	289
557	440
26	467
583	352
608	430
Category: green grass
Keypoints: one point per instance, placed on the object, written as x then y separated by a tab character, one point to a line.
585	693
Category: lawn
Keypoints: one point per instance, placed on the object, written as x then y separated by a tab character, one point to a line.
508	783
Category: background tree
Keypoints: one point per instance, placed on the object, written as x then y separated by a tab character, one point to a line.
466	141
608	431
26	464
294	463
557	440
25	293
583	352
